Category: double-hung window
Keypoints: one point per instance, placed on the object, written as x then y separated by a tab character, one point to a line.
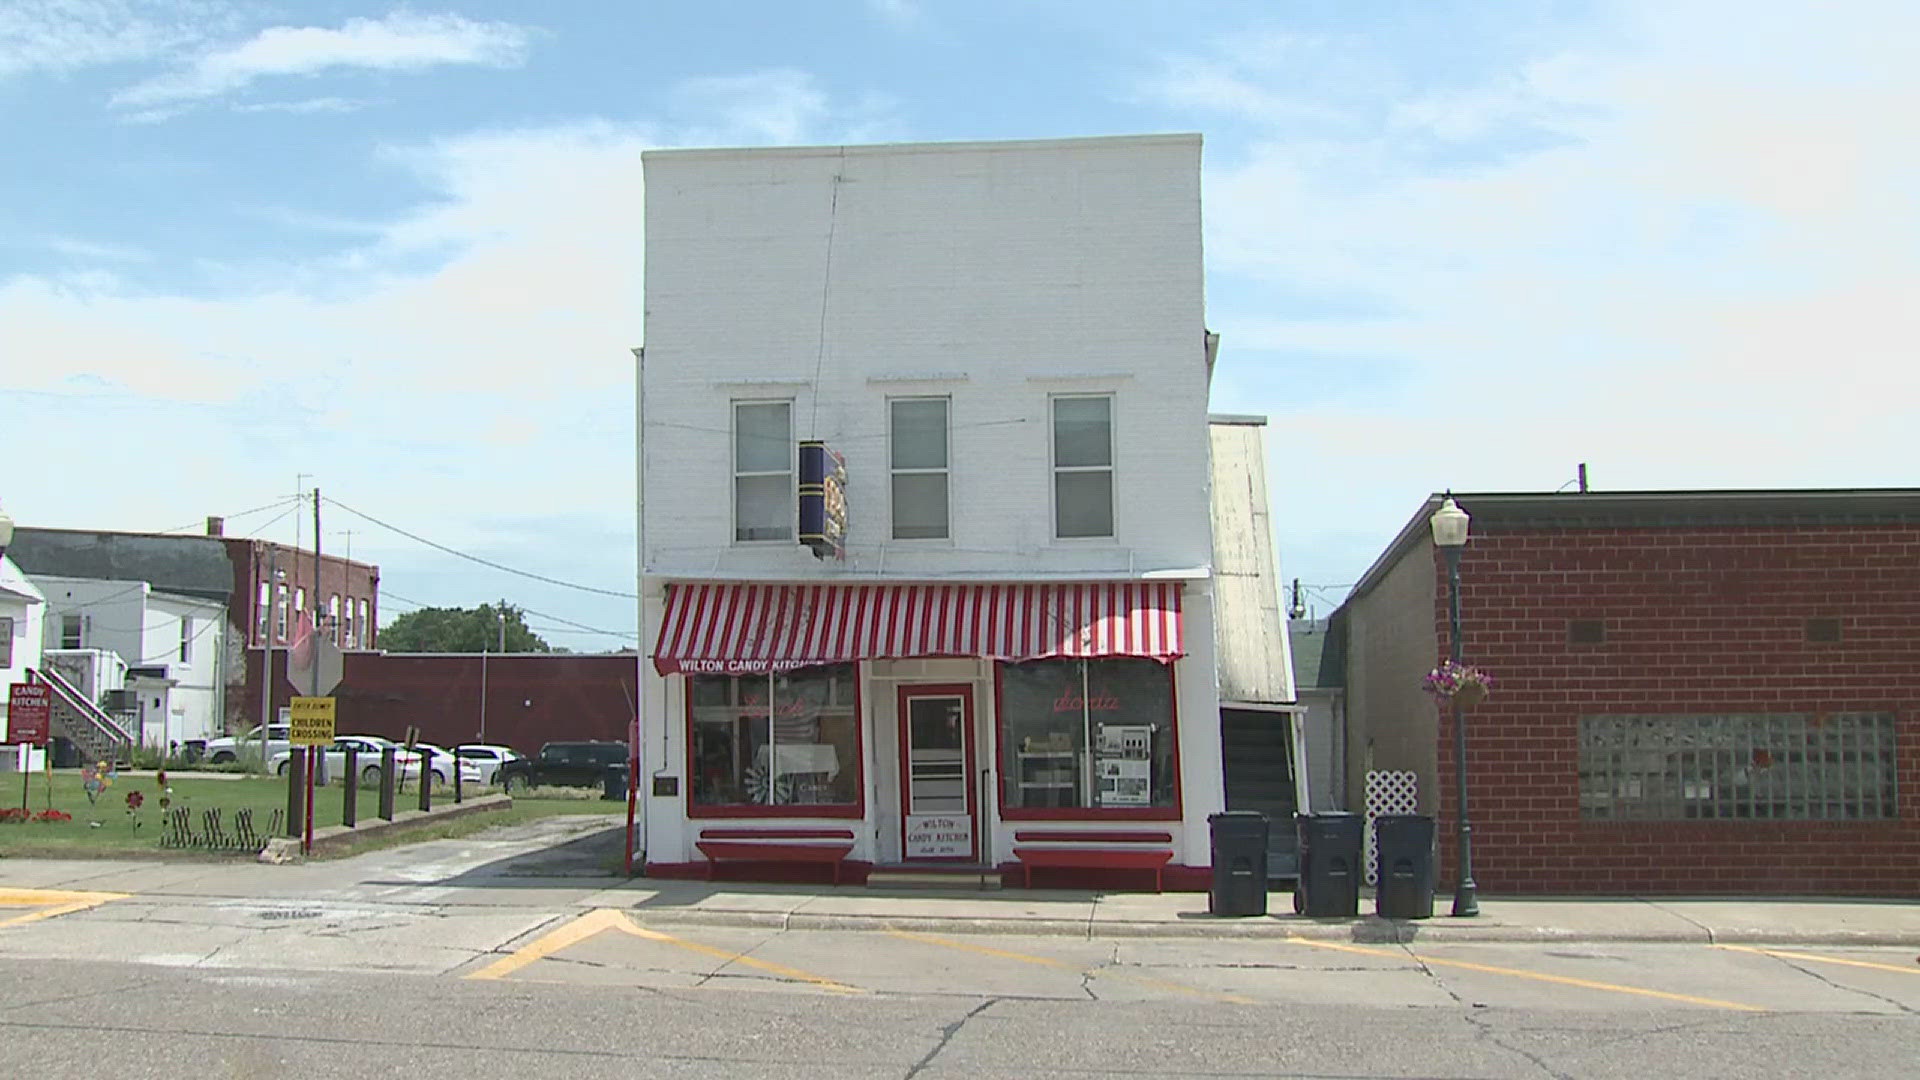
763	491
263	602
71	632
186	639
333	618
1082	467
280	614
917	451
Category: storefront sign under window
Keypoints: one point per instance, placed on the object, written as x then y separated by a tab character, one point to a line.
939	836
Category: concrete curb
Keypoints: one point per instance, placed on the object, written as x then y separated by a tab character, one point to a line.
1364	931
282	850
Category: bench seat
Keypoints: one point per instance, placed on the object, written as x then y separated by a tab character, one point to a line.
823	846
1093	850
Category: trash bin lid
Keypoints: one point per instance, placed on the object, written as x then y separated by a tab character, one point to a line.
1238	815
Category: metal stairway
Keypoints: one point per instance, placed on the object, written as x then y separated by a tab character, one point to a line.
1256	748
98	736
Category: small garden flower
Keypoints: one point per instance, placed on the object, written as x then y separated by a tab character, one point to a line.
1452	683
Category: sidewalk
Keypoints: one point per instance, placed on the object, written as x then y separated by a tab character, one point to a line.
1678	920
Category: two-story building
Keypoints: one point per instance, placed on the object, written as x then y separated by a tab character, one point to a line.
925	540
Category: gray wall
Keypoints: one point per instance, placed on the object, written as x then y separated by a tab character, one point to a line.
1391	644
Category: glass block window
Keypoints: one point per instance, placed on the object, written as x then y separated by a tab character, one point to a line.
1764	766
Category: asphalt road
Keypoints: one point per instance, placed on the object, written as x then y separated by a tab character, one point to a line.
87	1020
507	956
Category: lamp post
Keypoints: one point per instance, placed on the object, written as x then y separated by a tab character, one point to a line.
1450	536
502	616
6	532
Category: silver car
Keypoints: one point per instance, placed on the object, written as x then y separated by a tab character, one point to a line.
488	757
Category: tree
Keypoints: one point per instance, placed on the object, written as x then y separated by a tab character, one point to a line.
468	630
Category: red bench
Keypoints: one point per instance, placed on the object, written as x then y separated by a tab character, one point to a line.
826	846
1092	850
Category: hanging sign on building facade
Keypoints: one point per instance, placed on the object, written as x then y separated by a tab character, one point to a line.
823	500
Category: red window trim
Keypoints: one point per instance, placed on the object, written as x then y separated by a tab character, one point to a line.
1089	813
855	809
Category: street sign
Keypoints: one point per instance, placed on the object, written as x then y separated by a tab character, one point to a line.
29	713
311	721
313	651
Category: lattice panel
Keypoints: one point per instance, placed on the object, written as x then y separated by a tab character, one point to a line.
1388	793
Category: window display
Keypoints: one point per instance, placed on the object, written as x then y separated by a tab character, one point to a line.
789	739
1087	734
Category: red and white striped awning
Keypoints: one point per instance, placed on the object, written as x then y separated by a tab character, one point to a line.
733	628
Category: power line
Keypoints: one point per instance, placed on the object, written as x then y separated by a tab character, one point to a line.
416	537
229	517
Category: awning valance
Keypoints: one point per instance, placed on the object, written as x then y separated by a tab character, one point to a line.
732	628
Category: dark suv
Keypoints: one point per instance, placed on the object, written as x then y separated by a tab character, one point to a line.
568	764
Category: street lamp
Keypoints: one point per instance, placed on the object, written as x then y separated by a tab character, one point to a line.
6	532
1450	536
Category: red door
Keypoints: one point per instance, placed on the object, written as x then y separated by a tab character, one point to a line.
939	809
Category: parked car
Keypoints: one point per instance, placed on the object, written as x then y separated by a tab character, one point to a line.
440	765
228	748
562	764
488	757
370	747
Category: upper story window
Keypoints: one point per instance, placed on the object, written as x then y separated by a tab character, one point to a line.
366	628
346	624
186	639
263	604
6	642
1082	466
763	490
333	618
300	602
70	632
917	448
280	615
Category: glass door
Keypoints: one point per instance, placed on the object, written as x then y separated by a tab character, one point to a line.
938	810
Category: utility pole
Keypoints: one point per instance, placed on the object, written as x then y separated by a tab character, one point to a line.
266	656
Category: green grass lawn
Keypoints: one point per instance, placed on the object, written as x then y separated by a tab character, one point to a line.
106	827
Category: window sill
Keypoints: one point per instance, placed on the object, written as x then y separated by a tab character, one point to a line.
847	810
1106	813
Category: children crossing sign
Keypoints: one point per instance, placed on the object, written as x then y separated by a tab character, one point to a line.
311	721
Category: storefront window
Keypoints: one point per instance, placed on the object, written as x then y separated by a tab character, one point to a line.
789	739
1087	734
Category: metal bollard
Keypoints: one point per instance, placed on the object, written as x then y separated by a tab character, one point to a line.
426	784
350	802
458	795
297	792
386	783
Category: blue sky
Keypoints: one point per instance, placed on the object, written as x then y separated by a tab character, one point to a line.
1467	245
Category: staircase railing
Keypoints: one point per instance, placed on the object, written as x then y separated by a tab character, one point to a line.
98	735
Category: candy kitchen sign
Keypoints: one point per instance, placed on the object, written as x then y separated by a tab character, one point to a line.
939	836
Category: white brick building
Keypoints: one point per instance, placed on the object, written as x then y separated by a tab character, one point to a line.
1010	664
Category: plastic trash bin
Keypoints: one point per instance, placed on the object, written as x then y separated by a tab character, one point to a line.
1403	853
1329	882
615	782
1239	863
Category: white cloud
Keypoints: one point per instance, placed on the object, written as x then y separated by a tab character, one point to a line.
485	399
399	42
1688	255
65	35
304	107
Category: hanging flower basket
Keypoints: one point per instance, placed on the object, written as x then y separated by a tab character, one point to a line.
1458	684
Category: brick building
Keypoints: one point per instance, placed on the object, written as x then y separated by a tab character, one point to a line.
1697	692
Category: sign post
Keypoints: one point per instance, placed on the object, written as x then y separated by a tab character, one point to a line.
310	725
29	714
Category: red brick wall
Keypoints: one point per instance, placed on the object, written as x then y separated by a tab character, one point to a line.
1698	620
532	698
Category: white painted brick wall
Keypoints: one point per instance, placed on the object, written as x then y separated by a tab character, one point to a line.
1018	264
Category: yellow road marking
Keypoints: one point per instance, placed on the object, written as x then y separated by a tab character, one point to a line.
1787	954
51	903
781	970
546	945
1564	980
593	922
1045	961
